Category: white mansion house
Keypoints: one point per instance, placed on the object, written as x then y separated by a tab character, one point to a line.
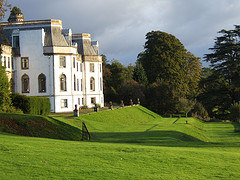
43	59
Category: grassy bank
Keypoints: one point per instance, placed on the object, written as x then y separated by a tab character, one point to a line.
129	143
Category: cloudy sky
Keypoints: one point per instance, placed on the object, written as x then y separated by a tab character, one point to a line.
120	26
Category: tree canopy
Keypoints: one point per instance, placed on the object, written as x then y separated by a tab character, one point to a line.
166	58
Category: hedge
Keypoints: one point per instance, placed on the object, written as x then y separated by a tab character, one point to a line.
31	105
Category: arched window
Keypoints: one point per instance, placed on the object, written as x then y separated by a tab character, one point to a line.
25	84
63	83
92	84
42	83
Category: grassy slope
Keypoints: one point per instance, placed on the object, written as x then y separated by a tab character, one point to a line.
130	143
37	126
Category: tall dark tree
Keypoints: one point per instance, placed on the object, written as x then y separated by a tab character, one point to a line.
225	60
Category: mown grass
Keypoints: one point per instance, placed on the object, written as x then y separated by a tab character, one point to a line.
129	143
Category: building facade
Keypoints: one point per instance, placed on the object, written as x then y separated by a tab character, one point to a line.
43	59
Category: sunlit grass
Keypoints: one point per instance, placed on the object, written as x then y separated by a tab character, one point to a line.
129	143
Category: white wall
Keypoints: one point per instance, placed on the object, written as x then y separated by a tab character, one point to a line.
31	46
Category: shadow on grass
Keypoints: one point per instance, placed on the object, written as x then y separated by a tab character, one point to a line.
156	138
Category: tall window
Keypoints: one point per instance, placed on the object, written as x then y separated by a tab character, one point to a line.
77	66
80	67
62	62
63	83
74	62
42	83
5	61
16	41
77	84
25	62
101	84
81	85
91	67
9	62
92	84
25	84
12	64
74	82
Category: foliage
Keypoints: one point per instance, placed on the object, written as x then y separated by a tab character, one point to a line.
225	59
215	92
139	74
185	105
3	8
166	58
131	89
31	105
161	97
5	101
235	111
114	75
16	10
200	112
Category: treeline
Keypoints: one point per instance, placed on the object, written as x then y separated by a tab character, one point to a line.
169	79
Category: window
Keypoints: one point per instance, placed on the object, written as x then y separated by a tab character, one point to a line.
101	84
42	83
79	101
63	83
77	84
5	61
9	62
25	62
80	67
64	103
82	101
16	41
74	61
93	100
92	84
62	62
25	83
77	66
74	82
91	67
81	85
12	64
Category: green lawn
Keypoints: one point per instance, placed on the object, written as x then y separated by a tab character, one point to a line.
128	143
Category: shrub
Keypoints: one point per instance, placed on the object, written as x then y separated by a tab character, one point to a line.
31	105
235	111
200	112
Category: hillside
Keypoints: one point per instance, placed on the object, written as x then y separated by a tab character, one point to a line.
129	143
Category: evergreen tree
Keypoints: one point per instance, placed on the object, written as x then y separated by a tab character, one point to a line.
139	74
225	60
